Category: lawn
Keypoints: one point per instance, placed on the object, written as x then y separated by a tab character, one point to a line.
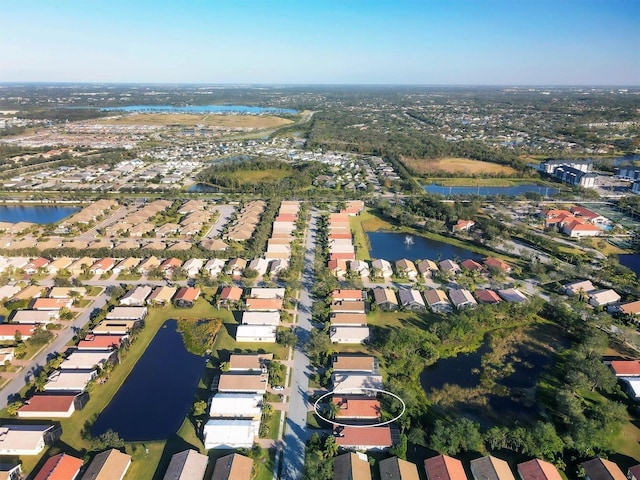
479	182
456	165
191	120
258	176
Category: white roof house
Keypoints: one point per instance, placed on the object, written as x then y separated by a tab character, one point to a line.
462	298
193	266
261	318
226	434
256	333
215	266
267	293
236	405
349	334
8	291
383	266
360	267
136	296
69	380
23	439
575	288
80	360
349	381
632	387
603	297
35	316
127	313
411	299
260	265
512	295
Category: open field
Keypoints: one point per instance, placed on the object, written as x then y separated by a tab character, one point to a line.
456	165
258	176
483	182
189	120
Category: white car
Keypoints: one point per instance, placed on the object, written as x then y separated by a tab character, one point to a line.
277	388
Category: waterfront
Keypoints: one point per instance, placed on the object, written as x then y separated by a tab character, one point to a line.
631	261
34	214
157	395
394	246
201	109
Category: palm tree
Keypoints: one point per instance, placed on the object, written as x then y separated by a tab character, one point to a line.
332	409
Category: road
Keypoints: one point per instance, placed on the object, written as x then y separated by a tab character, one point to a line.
59	344
225	212
296	433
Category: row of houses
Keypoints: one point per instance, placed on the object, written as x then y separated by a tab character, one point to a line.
235	409
246	221
339	238
281	240
141	295
584	289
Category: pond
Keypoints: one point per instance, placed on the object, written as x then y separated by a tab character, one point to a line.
631	261
199	109
394	246
203	188
511	191
157	395
34	213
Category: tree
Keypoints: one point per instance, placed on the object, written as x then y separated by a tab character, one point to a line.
318	347
456	436
400	450
330	446
285	336
199	408
13	407
108	439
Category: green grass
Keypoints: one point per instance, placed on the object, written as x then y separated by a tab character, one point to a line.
258	176
274	424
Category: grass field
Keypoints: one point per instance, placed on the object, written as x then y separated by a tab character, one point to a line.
190	120
456	165
258	176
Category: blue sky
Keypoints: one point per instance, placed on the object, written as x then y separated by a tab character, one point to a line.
464	42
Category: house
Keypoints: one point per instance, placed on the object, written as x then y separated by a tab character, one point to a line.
406	269
512	295
337	267
260	265
263	304
437	300
8	291
381	268
236	405
580	228
367	438
61	263
602	469
557	217
170	264
351	466
355	363
80	265
50	304
538	470
236	266
102	266
256	333
186	297
355	382
115	327
69	380
34	265
230	433
161	296
348	320
444	467
101	342
8	331
232	382
410	299
354	407
148	264
249	362
579	288
127	313
270	293
490	468
23	439
349	335
60	467
10	471
463	226
426	268
28	293
449	266
215	266
625	368
52	406
472	265
187	465
385	299
497	264
634	473
66	292
461	298
233	467
86	359
395	468
487	296
109	465
136	297
6	355
128	264
601	298
261	318
229	296
360	267
347	295
632	308
632	387
35	316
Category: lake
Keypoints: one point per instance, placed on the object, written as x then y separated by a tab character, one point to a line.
34	214
631	261
200	109
158	393
392	246
512	191
203	188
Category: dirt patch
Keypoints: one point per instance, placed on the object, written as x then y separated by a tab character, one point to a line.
456	165
191	120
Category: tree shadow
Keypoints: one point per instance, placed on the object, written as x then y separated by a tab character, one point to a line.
175	444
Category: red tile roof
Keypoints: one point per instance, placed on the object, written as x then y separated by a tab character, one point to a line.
470	264
188	294
264	304
342	256
100	341
538	470
444	467
625	367
48	403
231	293
60	467
345	294
10	329
487	296
368	437
357	407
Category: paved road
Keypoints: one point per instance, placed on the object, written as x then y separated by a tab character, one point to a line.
225	212
59	343
296	433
